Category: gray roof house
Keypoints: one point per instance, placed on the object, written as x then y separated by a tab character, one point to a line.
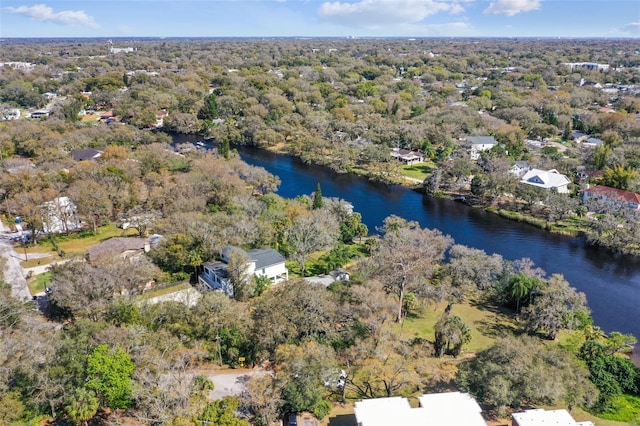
261	262
125	247
480	143
519	168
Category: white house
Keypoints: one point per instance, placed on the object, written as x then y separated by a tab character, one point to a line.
11	114
261	262
547	179
612	196
59	215
542	417
407	157
479	144
437	409
519	168
116	50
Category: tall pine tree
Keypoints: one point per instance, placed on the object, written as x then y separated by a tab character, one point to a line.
317	198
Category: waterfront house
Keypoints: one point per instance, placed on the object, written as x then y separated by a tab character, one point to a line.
612	196
547	179
407	157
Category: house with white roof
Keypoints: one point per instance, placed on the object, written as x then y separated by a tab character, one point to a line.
437	409
260	262
478	144
547	179
540	417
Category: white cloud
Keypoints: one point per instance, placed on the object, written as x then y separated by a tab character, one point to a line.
511	7
375	13
632	28
44	13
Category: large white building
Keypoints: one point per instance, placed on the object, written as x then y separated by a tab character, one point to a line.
437	409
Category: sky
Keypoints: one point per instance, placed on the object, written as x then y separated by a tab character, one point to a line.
319	18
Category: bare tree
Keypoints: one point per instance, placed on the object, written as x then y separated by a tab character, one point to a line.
310	233
406	258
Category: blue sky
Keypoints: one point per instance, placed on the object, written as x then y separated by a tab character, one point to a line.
314	18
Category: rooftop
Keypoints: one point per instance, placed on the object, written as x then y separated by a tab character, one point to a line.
543	417
439	409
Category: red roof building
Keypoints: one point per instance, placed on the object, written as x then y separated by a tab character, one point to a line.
613	195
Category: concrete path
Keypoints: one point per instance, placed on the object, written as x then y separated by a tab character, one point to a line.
189	297
41	269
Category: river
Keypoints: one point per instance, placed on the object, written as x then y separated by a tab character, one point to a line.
611	282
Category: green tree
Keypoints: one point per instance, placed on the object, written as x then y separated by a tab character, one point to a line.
83	405
109	374
519	371
302	373
317	198
222	413
519	288
450	333
209	110
352	227
619	176
566	134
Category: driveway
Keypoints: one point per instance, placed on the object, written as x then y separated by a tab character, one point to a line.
231	382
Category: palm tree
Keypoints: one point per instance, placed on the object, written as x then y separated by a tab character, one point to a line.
83	406
519	288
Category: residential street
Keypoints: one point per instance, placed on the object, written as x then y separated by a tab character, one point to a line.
12	272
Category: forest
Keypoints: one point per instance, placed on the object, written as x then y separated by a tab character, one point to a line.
419	312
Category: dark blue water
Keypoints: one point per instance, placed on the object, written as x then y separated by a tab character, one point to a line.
611	282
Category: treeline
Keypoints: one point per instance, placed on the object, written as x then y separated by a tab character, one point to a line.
116	356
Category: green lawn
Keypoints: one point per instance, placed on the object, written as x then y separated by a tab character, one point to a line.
39	283
487	323
418	171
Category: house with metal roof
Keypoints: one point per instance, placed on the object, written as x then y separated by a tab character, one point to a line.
540	417
547	179
437	409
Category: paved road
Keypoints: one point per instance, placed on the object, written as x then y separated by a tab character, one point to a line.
12	272
231	383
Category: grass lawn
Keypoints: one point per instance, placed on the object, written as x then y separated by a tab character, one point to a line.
487	323
73	244
39	283
340	415
418	171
